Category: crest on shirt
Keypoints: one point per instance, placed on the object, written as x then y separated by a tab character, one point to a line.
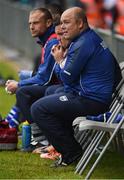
63	98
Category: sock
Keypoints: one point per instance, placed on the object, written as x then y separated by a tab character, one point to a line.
104	117
38	136
13	117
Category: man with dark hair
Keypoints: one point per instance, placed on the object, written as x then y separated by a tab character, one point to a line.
56	11
88	73
29	90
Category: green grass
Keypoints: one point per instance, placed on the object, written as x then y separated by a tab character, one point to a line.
29	166
20	165
7	70
6	101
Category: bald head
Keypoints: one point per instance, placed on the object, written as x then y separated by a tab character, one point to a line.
73	22
77	13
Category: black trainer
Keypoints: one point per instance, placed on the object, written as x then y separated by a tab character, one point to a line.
65	162
58	163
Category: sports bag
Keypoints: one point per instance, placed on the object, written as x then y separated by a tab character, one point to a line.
8	137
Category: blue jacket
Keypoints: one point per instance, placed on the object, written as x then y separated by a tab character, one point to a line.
90	68
45	70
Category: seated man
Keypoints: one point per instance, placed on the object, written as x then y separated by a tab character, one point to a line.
41	26
26	95
88	73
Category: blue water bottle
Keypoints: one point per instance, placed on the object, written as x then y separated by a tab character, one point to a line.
26	135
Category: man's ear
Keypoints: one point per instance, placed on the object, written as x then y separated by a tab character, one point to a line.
49	22
81	24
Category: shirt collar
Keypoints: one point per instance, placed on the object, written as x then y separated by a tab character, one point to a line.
83	32
42	39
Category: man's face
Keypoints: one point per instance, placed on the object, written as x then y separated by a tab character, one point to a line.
58	31
71	27
37	23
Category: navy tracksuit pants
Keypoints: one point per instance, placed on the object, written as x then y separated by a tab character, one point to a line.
55	113
26	96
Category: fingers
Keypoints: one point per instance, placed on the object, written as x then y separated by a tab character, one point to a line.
53	48
56	48
8	92
8	82
12	85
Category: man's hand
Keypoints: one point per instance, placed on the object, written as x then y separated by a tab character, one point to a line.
12	86
58	53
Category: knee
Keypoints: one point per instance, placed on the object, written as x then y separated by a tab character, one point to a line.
34	111
51	90
48	91
38	110
19	93
60	89
37	114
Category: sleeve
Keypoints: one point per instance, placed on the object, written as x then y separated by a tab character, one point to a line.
45	70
